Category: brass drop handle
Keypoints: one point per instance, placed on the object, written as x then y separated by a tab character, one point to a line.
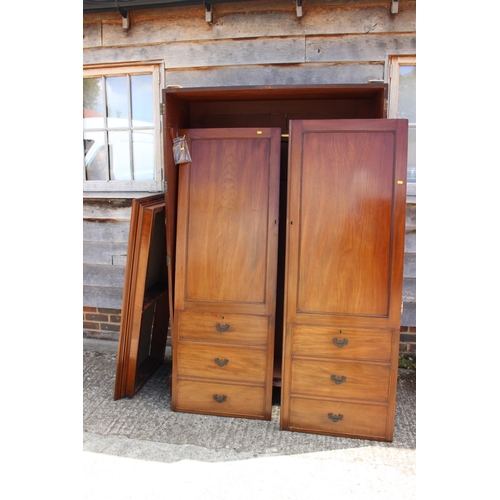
221	362
222	328
338	380
340	343
220	398
335	417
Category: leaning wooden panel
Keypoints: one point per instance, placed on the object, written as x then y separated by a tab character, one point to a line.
144	319
343	280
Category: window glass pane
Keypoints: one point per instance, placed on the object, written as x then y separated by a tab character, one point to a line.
407	93
93	112
119	156
96	160
119	127
117	100
142	100
144	155
412	154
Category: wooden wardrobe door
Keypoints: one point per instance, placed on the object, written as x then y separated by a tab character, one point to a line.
226	262
345	250
145	313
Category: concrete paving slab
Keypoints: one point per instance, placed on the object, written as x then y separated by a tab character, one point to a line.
138	448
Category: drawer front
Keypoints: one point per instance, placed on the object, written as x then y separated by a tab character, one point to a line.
345	343
220	399
341	379
222	363
339	418
230	328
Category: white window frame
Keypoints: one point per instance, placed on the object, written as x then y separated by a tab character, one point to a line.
394	63
113	186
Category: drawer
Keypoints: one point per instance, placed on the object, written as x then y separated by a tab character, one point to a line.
341	379
354	343
230	328
222	362
220	399
339	418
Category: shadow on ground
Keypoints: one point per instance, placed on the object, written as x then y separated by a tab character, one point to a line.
145	426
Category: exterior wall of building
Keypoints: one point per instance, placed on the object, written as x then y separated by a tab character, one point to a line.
101	323
248	43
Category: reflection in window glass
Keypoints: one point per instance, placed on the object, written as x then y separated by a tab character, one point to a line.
407	93
93	111
403	98
141	89
144	155
119	156
96	158
412	154
119	127
117	97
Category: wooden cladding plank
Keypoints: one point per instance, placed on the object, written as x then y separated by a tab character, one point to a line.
258	75
272	50
409	290
106	230
92	35
411	241
107	208
188	24
106	276
105	297
208	53
374	47
104	253
409	316
411	216
410	267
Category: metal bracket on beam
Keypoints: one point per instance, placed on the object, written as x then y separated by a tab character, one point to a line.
126	21
208	11
394	6
298	7
125	16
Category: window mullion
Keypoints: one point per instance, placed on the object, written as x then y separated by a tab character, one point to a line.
106	141
130	135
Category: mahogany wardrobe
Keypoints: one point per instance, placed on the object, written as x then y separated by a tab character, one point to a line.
285	244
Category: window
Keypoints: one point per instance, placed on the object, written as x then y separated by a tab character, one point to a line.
403	81
121	145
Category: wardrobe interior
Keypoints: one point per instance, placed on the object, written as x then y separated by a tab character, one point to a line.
260	107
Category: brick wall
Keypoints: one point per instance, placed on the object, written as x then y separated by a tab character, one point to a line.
408	340
101	323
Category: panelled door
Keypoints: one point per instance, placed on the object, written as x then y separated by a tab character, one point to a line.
144	318
343	279
226	262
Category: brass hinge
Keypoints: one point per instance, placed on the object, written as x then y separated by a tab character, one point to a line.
168	260
165	187
162	108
